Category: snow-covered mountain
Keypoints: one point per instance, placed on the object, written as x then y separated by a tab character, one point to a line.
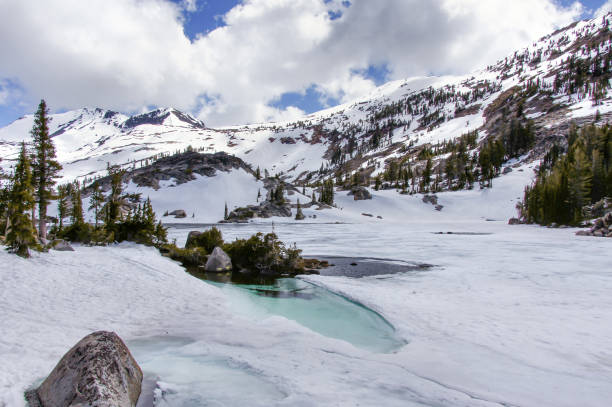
560	78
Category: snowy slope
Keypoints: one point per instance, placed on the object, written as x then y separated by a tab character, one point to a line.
484	327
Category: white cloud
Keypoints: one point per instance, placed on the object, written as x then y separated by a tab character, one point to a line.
190	5
4	93
126	54
604	9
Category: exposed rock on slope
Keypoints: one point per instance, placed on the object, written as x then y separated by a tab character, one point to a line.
180	168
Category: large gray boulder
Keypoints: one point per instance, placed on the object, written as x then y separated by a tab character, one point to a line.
98	371
360	193
218	261
192	239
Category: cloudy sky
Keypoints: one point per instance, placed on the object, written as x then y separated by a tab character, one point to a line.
235	62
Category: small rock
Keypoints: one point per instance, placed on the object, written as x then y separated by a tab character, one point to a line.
178	214
439	207
507	170
583	233
218	261
61	246
368	215
514	221
379	217
608	219
353	264
598	233
430	199
97	371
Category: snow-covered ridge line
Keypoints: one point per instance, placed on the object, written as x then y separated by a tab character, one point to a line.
89	139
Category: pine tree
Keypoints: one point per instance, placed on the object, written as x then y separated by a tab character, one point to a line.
112	208
299	215
76	213
427	174
96	201
148	216
4	199
21	233
279	196
226	213
377	183
327	192
44	166
63	193
258	174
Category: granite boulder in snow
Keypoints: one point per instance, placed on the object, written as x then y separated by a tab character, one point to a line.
360	193
218	261
98	371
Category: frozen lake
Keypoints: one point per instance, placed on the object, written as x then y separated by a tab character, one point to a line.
515	315
505	315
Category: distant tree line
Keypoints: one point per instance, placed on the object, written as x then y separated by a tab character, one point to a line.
569	181
32	185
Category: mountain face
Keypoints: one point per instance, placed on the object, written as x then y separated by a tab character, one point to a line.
539	91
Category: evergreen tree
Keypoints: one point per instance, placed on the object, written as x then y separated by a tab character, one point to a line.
112	208
21	234
327	192
96	201
76	213
226	213
567	183
63	193
299	215
44	166
258	174
427	174
4	199
279	197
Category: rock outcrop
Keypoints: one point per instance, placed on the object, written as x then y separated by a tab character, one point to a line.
602	227
98	371
218	261
180	168
265	209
